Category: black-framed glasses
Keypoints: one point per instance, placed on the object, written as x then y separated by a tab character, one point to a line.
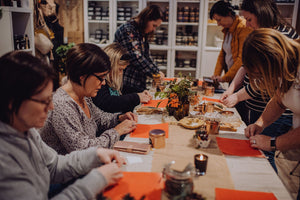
45	102
101	79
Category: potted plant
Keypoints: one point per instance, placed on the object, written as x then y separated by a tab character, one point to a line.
177	93
62	53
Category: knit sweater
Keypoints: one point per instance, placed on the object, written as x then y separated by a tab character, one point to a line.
239	33
28	166
68	128
109	100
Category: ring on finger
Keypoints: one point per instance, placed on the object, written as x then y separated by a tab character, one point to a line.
254	142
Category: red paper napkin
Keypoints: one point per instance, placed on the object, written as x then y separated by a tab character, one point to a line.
238	147
210	99
227	194
137	184
142	130
153	103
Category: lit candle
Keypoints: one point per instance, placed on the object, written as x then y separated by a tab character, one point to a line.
200	164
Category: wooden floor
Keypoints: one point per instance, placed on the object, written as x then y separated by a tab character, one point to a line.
284	167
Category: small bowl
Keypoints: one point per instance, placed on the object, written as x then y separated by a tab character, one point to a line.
227	113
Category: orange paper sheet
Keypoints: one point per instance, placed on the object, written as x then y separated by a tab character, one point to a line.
137	184
142	130
200	83
153	103
210	99
169	79
238	147
227	194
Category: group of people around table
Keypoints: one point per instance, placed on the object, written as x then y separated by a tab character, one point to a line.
66	137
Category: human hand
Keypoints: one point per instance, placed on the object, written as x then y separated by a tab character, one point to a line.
217	78
253	129
225	95
260	142
231	100
128	115
162	76
107	156
125	127
111	172
145	96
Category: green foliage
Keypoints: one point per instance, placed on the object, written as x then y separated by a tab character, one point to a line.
63	49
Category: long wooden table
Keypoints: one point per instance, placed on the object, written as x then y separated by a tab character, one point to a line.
223	171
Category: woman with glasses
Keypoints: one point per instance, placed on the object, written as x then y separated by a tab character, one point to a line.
235	32
28	165
75	120
276	58
109	97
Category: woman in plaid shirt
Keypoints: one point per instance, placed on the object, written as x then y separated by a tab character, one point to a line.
133	36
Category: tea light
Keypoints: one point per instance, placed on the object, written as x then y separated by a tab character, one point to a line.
200	164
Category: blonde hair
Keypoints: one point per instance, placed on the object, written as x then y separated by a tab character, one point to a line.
115	51
274	56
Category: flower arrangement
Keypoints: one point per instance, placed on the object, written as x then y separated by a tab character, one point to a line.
177	93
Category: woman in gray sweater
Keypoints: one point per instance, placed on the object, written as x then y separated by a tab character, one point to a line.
28	166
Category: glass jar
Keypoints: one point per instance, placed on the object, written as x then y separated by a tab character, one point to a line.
178	184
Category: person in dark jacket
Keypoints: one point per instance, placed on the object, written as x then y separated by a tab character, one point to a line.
109	98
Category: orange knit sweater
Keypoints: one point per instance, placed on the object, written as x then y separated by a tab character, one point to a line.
239	33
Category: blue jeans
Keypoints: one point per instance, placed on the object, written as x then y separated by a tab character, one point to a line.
282	125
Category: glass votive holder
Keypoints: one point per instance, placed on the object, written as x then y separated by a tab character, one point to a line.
209	91
157	138
212	127
200	164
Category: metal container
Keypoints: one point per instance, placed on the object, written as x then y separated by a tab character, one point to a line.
157	138
212	127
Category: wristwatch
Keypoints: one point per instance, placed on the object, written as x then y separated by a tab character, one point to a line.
273	143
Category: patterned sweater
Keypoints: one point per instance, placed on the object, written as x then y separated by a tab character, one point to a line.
141	65
68	128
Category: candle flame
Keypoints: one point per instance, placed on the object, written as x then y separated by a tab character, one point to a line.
201	157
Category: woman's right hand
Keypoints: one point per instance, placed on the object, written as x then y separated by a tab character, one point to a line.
111	172
125	126
225	95
231	100
145	97
253	129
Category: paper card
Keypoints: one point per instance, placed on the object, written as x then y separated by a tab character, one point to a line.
142	130
228	194
154	103
238	147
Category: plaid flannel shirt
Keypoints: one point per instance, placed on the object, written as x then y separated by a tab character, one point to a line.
141	65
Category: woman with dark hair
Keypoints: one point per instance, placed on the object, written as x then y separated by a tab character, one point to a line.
28	165
235	32
272	63
76	121
109	98
133	36
259	14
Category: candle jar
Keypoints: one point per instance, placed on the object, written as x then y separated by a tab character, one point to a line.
200	164
157	138
209	91
212	127
178	184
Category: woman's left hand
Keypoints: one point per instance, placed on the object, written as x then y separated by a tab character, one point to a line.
260	142
128	115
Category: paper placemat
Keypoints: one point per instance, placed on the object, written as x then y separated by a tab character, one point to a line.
142	130
227	194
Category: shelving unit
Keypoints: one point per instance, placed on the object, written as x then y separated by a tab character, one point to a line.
16	22
187	45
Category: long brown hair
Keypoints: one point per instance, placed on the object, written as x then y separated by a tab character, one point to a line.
274	56
150	13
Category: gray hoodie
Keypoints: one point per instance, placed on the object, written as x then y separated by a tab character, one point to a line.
28	166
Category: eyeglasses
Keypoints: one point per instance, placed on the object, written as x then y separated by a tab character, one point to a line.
45	102
101	79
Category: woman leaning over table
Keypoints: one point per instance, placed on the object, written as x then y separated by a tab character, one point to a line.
133	36
272	62
28	165
235	32
259	14
109	98
75	120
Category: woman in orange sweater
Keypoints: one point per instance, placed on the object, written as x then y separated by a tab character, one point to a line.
235	32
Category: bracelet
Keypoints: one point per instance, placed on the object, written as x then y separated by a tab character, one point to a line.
273	143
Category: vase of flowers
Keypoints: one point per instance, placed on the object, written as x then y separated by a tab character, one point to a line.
177	93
